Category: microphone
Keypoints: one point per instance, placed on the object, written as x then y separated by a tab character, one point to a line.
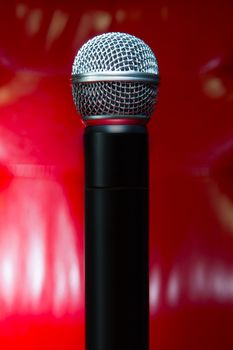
115	82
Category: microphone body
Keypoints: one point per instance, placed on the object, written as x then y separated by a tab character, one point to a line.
115	82
116	237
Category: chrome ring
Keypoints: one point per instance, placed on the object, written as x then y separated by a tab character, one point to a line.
110	76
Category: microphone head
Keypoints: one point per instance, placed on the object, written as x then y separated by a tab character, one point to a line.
115	76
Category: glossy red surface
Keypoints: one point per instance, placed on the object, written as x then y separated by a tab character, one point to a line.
191	172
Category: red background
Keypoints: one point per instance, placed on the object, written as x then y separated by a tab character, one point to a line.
191	171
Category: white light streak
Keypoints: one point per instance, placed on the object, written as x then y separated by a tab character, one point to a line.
57	25
35	266
21	10
33	21
155	284
173	289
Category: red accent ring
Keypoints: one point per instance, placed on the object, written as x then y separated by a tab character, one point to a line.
112	121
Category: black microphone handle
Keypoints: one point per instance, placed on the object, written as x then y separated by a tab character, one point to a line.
116	237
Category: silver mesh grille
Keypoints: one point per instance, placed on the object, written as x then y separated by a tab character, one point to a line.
118	52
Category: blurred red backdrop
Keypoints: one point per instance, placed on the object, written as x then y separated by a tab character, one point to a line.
191	171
